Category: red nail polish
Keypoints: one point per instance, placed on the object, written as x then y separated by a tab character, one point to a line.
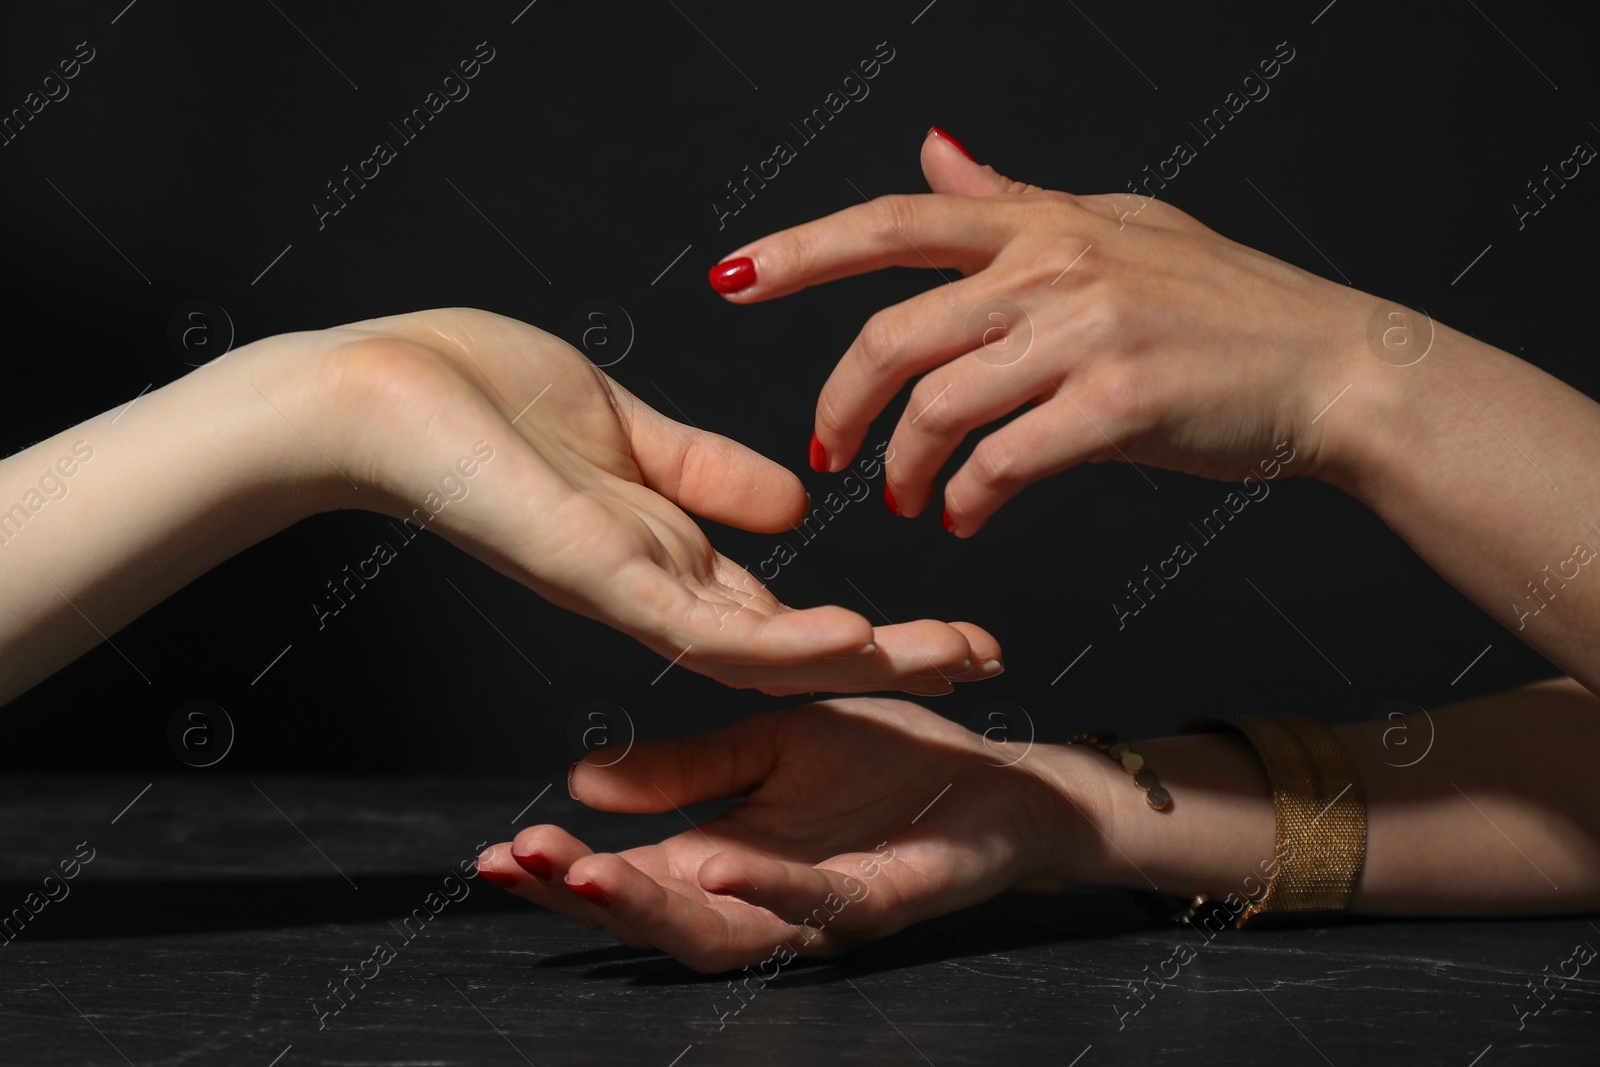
937	132
499	878
535	863
590	892
734	275
889	500
819	455
949	523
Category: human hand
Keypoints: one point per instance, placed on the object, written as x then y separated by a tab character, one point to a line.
1140	335
585	502
861	817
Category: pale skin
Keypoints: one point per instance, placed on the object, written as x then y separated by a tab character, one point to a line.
585	500
1156	341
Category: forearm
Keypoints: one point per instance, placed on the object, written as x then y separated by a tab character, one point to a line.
158	492
1499	817
1485	465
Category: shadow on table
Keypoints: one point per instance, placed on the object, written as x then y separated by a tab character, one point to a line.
121	908
1009	923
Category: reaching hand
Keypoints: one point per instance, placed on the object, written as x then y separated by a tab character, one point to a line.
861	817
1139	334
584	501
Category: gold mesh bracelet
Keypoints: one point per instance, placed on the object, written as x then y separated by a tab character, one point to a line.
1321	817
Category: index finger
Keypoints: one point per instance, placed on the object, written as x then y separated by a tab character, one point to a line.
928	230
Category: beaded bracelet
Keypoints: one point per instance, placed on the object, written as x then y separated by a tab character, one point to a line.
1131	762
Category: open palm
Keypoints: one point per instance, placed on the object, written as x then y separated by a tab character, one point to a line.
585	499
861	817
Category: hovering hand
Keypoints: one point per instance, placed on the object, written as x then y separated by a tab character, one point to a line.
1133	332
584	501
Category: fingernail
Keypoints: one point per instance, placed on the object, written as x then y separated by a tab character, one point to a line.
949	523
571	792
590	892
819	455
867	649
888	499
989	667
937	132
499	878
535	863
735	275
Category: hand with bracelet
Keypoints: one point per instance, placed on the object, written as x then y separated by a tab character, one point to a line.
583	499
863	816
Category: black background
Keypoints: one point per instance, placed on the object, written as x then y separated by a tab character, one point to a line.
596	141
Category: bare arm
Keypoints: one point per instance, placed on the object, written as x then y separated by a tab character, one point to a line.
1490	470
862	817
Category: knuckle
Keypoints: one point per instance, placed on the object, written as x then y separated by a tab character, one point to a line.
829	416
797	252
897	210
878	345
1117	391
997	463
930	412
1105	319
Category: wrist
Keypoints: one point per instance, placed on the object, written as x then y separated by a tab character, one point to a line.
276	401
1355	379
1074	819
1391	416
1217	831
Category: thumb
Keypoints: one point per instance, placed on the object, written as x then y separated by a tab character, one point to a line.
951	169
662	773
708	474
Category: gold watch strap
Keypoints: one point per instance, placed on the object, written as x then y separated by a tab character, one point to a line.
1321	817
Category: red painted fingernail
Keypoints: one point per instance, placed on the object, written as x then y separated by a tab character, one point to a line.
499	878
937	132
889	500
735	274
590	892
819	455
535	863
949	523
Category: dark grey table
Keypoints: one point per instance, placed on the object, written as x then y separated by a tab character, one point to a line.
215	912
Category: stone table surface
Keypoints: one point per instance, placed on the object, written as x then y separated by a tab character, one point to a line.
207	915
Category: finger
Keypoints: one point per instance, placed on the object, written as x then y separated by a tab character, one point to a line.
826	649
984	648
924	657
816	898
951	402
927	646
892	231
1051	438
711	475
661	774
705	938
499	867
687	624
894	346
951	169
